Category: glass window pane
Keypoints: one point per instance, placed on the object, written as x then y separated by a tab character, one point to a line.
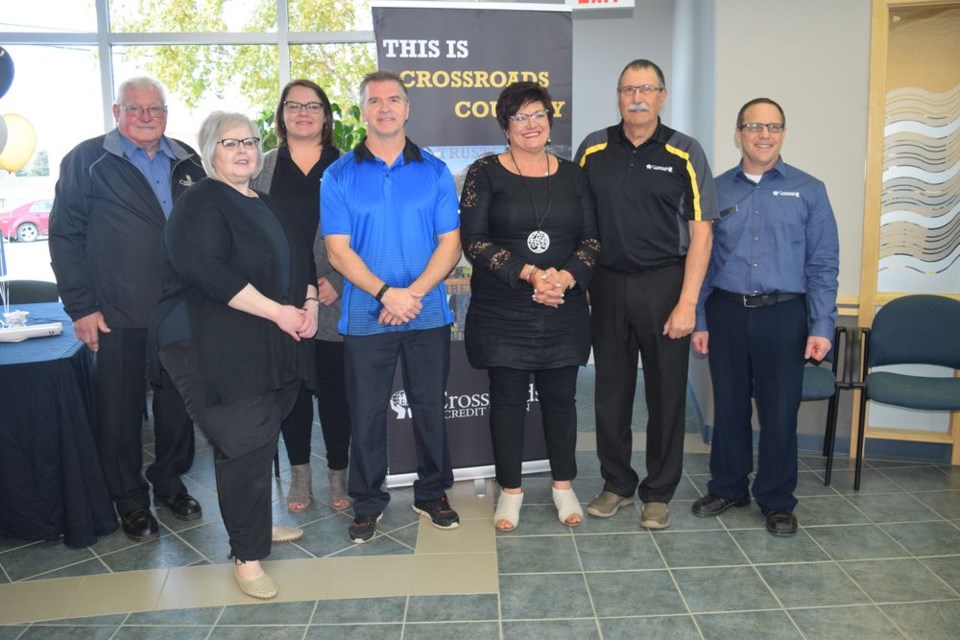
71	16
60	122
338	68
349	15
185	16
239	78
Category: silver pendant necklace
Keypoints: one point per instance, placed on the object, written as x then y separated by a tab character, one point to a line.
539	240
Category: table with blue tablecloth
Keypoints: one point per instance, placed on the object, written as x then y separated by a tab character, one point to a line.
51	483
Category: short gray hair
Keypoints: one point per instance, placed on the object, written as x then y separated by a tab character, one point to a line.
142	82
380	76
212	130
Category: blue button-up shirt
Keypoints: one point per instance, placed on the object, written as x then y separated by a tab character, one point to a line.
775	236
157	170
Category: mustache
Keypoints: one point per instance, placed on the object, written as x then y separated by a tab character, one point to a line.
638	106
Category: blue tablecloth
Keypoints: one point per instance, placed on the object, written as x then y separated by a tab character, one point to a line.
51	483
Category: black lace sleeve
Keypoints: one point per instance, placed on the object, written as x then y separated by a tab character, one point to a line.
482	252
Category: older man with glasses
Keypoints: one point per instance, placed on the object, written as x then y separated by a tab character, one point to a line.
655	200
110	208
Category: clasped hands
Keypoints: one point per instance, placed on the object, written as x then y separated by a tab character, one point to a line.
298	323
400	306
549	286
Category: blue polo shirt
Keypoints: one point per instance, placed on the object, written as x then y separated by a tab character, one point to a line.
393	215
778	235
156	170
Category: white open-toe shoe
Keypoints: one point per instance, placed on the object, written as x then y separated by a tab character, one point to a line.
508	509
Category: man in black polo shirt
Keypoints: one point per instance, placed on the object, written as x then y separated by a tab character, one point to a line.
655	199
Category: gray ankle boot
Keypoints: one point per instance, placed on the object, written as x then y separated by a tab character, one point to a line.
300	495
337	479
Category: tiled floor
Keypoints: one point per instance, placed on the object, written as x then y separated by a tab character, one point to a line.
883	563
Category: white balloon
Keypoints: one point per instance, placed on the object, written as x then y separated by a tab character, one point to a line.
21	143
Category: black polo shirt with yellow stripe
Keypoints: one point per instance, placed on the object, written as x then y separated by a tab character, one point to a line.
646	195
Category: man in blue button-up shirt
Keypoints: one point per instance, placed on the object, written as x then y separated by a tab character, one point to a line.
768	303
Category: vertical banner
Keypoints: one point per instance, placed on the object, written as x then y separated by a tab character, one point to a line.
454	60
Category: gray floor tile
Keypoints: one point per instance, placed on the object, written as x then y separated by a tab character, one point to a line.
811	585
855	542
819	463
268	613
749	624
871	481
481	606
540	519
926	538
197	616
262	633
924	478
699	549
686	490
679	627
926	621
86	568
862	622
368	610
709	590
618	551
328	536
828	510
46	632
947	568
682	519
810	483
761	547
26	561
448	630
532	597
553	629
355	632
537	554
132	632
11	632
696	463
167	552
892	507
897	580
945	503
748	517
610	593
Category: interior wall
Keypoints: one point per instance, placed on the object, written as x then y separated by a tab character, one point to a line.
813	58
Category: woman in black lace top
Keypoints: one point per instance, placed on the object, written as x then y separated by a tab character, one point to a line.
528	226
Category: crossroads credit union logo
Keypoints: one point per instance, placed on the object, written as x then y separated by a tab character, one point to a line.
466	405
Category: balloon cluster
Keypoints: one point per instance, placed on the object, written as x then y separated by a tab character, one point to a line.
18	140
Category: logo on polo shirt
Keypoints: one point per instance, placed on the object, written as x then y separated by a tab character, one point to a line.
787	194
656	167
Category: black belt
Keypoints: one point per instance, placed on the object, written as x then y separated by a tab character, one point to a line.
761	300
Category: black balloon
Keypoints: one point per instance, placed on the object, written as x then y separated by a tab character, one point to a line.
6	71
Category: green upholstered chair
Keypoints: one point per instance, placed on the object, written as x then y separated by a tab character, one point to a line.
915	329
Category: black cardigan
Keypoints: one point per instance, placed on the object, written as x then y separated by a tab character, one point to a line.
217	247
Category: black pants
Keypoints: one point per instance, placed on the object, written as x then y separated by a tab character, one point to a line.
332	407
244	436
756	353
370	364
509	391
628	315
121	391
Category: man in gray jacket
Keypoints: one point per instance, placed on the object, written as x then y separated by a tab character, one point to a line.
111	204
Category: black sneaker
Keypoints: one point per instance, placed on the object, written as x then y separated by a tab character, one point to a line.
439	512
364	528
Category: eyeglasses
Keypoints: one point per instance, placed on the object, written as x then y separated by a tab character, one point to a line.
642	89
757	127
136	110
536	116
311	107
232	144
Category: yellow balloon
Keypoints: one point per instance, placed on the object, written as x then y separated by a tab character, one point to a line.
21	143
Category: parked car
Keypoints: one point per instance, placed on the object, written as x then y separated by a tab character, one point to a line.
27	222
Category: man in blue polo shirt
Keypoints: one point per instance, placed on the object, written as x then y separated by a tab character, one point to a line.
389	217
768	303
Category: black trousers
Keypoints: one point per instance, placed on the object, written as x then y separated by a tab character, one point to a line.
628	315
332	407
244	435
370	364
121	391
509	390
756	353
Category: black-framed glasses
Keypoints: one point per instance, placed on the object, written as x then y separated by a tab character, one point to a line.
642	89
232	144
757	127
536	116
309	107
135	110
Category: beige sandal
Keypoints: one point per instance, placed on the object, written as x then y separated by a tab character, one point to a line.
300	495
508	510
337	480
262	587
280	533
567	505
